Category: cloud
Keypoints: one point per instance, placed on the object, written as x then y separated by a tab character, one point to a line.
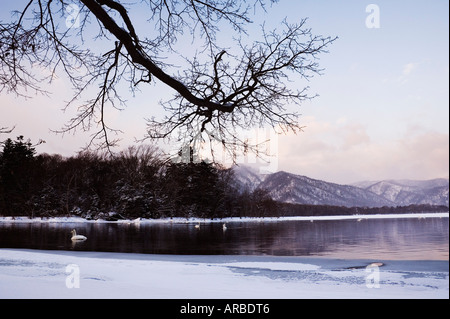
408	68
346	153
354	135
407	71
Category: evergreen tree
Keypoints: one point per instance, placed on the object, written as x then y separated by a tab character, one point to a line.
16	161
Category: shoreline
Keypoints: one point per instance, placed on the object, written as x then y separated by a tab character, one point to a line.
325	262
183	220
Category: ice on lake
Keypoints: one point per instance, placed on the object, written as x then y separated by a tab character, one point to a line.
76	274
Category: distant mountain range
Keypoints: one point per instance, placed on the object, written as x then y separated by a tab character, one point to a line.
291	188
406	192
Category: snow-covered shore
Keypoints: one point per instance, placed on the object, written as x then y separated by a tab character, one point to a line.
221	220
56	274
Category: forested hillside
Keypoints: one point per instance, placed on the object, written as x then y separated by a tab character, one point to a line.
138	182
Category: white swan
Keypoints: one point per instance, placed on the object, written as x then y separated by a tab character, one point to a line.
76	237
224	227
197	226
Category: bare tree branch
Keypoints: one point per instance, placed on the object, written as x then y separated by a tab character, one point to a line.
6	130
217	94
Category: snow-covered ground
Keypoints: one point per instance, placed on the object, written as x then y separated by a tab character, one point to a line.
70	274
221	220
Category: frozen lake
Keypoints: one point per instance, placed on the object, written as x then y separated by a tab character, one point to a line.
379	238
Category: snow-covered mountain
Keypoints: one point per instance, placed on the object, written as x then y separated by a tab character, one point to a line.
247	177
406	192
291	188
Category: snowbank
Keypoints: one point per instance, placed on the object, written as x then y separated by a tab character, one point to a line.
222	220
58	274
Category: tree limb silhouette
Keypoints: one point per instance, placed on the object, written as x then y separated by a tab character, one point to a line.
219	91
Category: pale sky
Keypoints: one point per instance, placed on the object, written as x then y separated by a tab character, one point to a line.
382	110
